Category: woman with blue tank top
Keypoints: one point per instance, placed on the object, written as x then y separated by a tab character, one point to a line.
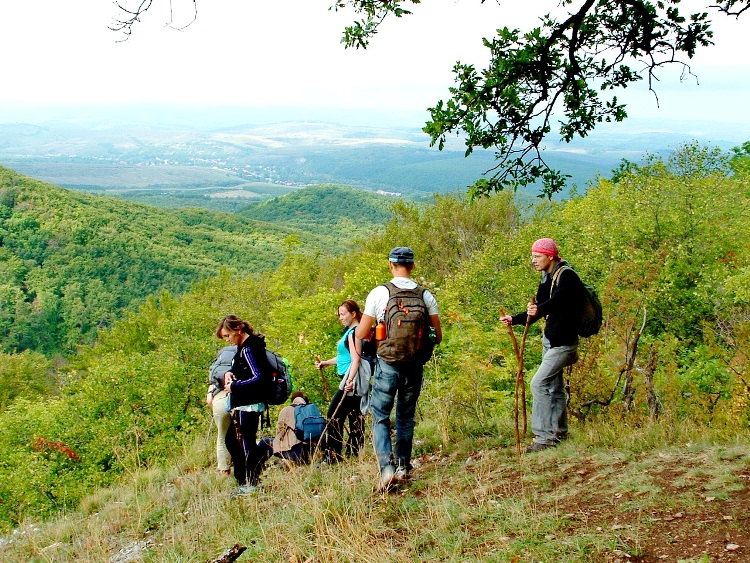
345	403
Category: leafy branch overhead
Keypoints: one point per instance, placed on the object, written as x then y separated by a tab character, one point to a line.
562	75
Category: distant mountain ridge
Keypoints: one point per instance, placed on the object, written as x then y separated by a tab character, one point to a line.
119	158
168	162
72	263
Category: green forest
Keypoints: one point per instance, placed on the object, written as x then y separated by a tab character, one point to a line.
665	242
72	263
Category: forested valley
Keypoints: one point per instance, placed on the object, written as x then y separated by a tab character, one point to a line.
96	392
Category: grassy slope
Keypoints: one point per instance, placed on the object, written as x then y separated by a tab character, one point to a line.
608	494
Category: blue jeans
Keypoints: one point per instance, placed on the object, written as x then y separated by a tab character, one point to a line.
549	411
404	380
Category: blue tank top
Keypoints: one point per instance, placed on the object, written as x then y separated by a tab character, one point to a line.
343	356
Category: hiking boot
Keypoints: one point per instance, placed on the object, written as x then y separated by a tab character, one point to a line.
387	474
538	447
401	474
225	472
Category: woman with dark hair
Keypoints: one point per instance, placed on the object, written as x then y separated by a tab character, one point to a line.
345	402
246	382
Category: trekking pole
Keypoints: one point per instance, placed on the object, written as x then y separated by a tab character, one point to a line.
520	369
325	381
328	422
519	360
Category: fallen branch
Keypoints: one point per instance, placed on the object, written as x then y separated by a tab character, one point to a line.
231	554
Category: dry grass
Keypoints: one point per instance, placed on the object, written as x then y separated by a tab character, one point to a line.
647	494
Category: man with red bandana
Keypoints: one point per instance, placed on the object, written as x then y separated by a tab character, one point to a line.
559	299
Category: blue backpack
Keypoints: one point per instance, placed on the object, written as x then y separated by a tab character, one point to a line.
309	424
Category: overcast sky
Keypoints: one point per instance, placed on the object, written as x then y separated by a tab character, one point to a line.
288	53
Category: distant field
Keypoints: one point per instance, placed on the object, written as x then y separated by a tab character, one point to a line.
97	176
167	186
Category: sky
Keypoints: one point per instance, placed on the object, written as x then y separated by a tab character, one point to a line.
287	54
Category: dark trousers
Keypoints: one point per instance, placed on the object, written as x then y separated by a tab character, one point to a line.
242	444
350	408
300	453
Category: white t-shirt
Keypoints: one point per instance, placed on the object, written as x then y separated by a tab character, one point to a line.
377	299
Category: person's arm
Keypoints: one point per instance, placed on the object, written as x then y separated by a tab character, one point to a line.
435	321
324	363
254	366
564	293
364	327
285	421
228	380
355	349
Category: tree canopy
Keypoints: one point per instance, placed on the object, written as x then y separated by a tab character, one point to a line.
560	78
567	70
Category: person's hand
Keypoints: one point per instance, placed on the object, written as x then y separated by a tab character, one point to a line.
532	310
321	364
228	378
209	399
349	385
507	320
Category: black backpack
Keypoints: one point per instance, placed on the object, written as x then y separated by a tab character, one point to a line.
309	424
369	346
280	382
407	325
592	313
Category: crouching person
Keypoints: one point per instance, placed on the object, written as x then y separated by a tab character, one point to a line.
287	444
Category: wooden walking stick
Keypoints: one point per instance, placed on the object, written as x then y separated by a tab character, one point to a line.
520	369
325	381
519	361
328	423
520	383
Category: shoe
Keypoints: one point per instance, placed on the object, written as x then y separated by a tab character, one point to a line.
387	474
401	474
538	447
225	472
245	490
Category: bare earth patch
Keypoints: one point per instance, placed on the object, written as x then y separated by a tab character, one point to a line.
681	506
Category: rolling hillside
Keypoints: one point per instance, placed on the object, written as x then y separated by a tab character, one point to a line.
325	209
71	263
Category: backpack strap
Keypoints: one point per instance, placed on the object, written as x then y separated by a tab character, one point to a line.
555	277
349	331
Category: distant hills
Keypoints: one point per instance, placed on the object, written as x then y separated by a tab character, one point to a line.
72	263
225	167
326	209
